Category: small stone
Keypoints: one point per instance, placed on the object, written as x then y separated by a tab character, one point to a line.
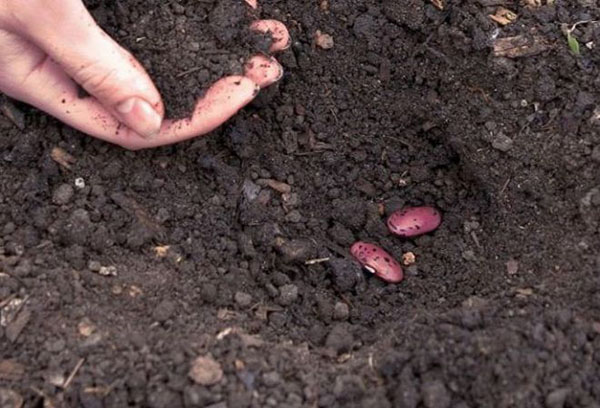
250	190
324	41
206	370
293	216
164	311
469	255
296	250
502	142
243	299
556	399
80	183
346	274
272	290
288	294
94	266
271	379
107	270
512	267
341	311
63	194
435	394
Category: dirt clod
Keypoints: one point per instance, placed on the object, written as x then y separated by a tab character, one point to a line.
206	370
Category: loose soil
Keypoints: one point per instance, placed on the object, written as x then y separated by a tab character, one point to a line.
410	107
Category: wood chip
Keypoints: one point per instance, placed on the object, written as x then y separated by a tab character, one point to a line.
278	186
63	158
14	329
503	16
438	3
524	292
520	46
10	370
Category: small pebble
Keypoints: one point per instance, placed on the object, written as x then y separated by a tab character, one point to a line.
94	266
288	294
435	394
107	270
243	299
502	142
323	40
512	267
80	183
271	378
63	194
164	310
296	250
557	398
341	311
206	370
293	216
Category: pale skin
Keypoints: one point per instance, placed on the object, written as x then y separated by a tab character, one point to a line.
42	65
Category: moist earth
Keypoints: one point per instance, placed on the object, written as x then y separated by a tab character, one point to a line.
177	276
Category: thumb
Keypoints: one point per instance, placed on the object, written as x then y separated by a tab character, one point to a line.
70	36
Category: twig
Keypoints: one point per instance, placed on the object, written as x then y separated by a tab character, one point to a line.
7	300
316	261
73	374
187	72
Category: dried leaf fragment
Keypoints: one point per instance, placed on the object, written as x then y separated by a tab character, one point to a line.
520	46
503	16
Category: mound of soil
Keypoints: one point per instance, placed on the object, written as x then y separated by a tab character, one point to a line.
177	277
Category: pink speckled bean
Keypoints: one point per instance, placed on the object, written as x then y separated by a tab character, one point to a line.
377	261
413	221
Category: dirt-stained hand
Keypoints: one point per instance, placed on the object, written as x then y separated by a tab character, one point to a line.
50	48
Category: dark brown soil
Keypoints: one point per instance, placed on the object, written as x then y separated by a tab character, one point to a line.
410	107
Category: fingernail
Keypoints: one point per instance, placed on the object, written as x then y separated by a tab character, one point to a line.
140	116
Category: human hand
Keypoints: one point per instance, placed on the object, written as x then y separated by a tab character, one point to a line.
48	48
